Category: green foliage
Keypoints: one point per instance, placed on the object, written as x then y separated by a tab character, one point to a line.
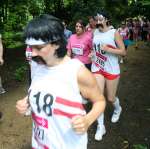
12	39
139	7
20	73
139	146
16	19
36	7
16	14
82	9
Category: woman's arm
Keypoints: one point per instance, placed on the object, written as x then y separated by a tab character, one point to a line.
119	50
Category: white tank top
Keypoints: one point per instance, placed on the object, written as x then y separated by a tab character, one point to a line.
55	98
104	61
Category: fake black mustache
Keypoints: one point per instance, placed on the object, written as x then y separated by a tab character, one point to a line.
99	25
38	59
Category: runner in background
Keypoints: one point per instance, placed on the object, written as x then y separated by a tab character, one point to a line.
108	45
80	44
124	32
67	32
28	54
136	32
145	30
91	26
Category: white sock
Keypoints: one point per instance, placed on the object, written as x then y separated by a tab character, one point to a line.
100	119
116	104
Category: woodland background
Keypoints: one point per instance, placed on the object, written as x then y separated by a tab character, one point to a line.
14	14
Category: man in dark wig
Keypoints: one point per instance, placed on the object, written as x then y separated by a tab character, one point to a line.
57	89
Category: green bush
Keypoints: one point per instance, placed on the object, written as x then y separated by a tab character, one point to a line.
20	73
12	39
139	146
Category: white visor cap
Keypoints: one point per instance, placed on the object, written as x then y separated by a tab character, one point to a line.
33	41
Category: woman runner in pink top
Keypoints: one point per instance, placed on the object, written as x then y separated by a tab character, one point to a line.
80	44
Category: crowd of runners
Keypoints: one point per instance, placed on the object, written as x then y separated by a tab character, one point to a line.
69	69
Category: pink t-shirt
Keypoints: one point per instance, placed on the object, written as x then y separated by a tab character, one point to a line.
80	47
124	33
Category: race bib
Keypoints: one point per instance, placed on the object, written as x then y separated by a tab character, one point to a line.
41	101
39	131
100	60
77	51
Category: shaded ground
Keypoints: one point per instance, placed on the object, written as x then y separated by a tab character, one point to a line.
131	132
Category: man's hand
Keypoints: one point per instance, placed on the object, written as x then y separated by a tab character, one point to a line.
80	124
22	105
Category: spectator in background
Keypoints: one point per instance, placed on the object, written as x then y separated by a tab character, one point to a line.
136	31
124	32
2	90
67	32
130	27
28	54
145	29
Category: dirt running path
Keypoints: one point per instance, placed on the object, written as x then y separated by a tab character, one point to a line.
15	130
133	129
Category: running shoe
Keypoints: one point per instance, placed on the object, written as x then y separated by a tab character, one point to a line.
100	132
2	90
121	61
84	101
116	115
